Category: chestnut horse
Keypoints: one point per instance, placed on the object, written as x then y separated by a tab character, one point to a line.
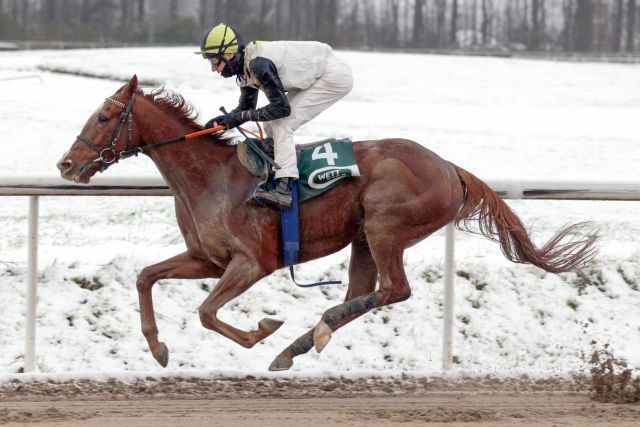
405	193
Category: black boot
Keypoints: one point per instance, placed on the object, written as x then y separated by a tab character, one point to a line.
280	197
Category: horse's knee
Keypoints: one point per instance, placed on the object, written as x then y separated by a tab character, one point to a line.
206	316
144	281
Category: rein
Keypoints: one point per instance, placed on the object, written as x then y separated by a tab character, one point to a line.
108	156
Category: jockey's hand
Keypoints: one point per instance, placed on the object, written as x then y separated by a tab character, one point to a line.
233	119
218	120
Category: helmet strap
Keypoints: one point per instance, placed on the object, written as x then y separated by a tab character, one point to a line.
233	66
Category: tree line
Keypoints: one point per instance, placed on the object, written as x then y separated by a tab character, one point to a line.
535	25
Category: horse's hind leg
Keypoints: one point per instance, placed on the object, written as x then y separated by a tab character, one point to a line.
393	288
362	281
182	266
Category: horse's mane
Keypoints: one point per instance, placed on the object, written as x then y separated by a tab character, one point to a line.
173	103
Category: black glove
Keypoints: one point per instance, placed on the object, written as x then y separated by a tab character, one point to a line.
216	120
230	120
233	119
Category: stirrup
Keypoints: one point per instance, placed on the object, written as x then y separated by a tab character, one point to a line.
273	198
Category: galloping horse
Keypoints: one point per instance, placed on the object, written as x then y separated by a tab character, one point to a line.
405	193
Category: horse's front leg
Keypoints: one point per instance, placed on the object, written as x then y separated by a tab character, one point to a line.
182	266
241	273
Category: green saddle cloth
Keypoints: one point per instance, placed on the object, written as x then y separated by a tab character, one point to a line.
322	165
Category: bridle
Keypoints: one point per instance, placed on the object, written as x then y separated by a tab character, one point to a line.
108	155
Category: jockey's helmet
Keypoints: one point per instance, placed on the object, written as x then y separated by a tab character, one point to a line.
219	40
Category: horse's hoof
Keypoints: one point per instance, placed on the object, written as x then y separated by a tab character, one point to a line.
321	335
269	325
161	354
281	363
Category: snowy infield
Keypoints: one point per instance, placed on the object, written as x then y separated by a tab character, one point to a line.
498	118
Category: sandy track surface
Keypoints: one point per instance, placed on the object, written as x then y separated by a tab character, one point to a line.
270	402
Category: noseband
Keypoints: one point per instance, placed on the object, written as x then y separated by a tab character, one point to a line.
108	155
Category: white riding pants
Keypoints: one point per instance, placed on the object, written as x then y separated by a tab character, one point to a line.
335	83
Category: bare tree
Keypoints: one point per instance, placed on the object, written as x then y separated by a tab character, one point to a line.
85	11
294	19
278	20
393	38
331	18
266	9
441	30
14	10
50	11
418	22
369	25
537	24
474	21
487	17
173	9
203	14
140	13
125	17
616	37
631	24
453	30
352	22
583	36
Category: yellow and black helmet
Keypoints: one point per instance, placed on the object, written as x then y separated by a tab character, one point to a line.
219	40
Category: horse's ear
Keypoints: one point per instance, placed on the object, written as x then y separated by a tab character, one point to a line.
130	88
133	83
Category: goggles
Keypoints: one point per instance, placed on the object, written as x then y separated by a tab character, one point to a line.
215	60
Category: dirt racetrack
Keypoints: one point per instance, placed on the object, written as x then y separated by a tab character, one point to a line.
294	402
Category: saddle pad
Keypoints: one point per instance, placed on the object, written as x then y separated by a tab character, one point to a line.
322	165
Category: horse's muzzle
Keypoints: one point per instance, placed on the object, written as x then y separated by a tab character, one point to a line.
65	166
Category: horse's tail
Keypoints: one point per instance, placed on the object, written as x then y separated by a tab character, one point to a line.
499	223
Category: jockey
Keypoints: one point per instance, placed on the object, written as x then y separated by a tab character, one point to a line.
300	80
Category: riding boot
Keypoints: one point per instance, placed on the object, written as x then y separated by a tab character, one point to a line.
279	197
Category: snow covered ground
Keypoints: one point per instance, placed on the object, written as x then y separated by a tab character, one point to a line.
499	118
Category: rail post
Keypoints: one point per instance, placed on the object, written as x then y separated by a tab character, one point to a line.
32	284
449	275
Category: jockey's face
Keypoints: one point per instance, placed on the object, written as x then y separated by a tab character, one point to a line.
217	65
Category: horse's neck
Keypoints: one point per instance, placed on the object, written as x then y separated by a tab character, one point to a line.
189	166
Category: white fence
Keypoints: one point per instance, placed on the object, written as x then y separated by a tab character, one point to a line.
36	187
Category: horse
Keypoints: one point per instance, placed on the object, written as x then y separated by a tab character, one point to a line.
404	194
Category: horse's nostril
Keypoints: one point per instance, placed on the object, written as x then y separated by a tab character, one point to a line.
65	166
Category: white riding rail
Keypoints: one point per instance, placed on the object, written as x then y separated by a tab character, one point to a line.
511	189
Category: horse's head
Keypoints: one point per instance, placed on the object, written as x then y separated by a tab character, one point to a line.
108	132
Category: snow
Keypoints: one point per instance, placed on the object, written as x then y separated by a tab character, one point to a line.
498	118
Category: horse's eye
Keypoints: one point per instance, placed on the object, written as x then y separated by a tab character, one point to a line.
103	119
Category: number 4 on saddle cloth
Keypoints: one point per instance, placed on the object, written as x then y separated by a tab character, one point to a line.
322	165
